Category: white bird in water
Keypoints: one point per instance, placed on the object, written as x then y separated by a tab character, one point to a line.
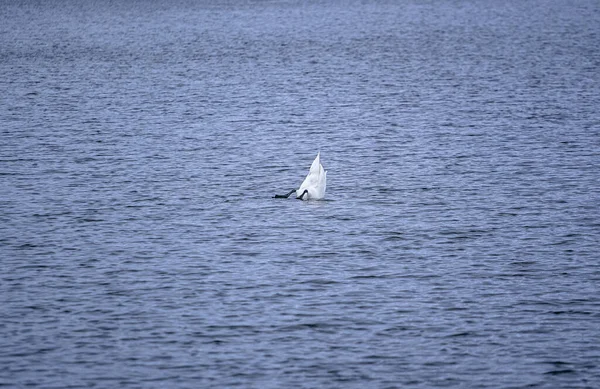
313	186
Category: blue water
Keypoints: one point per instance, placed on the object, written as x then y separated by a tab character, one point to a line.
142	142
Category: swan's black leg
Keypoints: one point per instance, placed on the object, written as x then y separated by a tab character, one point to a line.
302	195
284	196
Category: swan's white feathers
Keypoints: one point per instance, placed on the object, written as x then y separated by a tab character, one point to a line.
315	182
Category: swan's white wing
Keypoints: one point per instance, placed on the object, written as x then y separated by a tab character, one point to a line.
309	183
321	185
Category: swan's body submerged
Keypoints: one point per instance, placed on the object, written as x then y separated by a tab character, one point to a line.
313	186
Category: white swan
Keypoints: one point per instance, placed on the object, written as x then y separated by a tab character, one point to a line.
313	186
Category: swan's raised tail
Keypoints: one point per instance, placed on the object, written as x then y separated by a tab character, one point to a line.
314	185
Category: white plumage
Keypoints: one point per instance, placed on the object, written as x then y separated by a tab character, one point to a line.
313	186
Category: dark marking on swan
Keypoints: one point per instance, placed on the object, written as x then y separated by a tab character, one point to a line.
284	196
302	195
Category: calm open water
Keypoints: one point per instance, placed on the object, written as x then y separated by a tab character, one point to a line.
142	141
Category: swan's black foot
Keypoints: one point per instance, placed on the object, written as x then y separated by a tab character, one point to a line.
284	196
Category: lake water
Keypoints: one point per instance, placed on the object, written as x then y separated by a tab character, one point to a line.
142	142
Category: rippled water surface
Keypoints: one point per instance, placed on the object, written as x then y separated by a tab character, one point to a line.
142	142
